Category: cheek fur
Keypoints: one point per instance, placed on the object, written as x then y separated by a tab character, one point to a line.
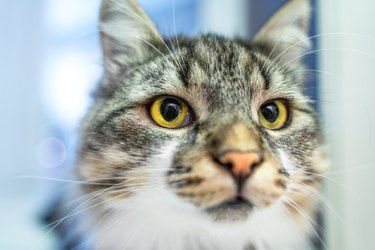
117	175
266	185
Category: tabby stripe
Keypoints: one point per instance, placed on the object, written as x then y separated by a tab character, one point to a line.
112	115
266	76
283	171
185	182
184	72
179	170
303	110
263	68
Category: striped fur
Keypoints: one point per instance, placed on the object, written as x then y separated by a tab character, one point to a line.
157	188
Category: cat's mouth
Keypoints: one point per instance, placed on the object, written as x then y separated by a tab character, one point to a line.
231	210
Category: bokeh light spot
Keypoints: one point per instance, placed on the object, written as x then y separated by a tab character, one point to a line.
51	152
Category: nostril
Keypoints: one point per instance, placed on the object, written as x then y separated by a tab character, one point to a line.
227	165
256	163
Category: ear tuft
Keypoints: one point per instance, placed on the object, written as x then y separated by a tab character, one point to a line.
127	34
286	33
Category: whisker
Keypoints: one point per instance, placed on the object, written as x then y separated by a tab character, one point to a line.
96	226
318	198
308	219
280	37
175	55
174	26
75	209
357	168
74	212
310	38
324	50
156	33
322	176
61	180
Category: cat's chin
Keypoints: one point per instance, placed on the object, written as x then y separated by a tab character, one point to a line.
231	211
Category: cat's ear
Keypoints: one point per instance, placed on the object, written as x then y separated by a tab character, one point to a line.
285	35
127	34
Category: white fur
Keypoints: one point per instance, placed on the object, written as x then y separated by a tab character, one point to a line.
156	219
287	164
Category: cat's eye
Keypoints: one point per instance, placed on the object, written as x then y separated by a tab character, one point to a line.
274	114
170	112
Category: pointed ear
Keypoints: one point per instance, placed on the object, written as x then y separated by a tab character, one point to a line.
127	34
285	35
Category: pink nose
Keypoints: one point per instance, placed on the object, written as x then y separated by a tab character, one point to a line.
240	163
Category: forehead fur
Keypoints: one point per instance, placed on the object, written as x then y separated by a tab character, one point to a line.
213	64
209	72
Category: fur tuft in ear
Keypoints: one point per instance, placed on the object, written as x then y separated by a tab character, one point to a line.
128	35
286	33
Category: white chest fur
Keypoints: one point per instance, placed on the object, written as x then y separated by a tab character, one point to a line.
155	220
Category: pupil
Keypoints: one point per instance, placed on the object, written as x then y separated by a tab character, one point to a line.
170	109
270	112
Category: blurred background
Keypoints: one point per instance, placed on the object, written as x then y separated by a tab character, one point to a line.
51	60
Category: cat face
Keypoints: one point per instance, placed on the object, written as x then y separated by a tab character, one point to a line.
221	125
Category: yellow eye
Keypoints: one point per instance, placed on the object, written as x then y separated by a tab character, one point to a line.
170	112
274	114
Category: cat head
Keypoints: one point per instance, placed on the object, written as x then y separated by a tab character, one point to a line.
222	125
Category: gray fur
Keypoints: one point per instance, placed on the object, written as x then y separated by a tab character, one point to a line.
224	82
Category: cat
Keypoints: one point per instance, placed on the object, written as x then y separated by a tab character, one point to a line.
203	143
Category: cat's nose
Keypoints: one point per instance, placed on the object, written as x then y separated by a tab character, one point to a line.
239	163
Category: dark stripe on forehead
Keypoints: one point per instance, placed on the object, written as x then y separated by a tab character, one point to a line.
264	69
183	72
266	76
112	115
231	62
